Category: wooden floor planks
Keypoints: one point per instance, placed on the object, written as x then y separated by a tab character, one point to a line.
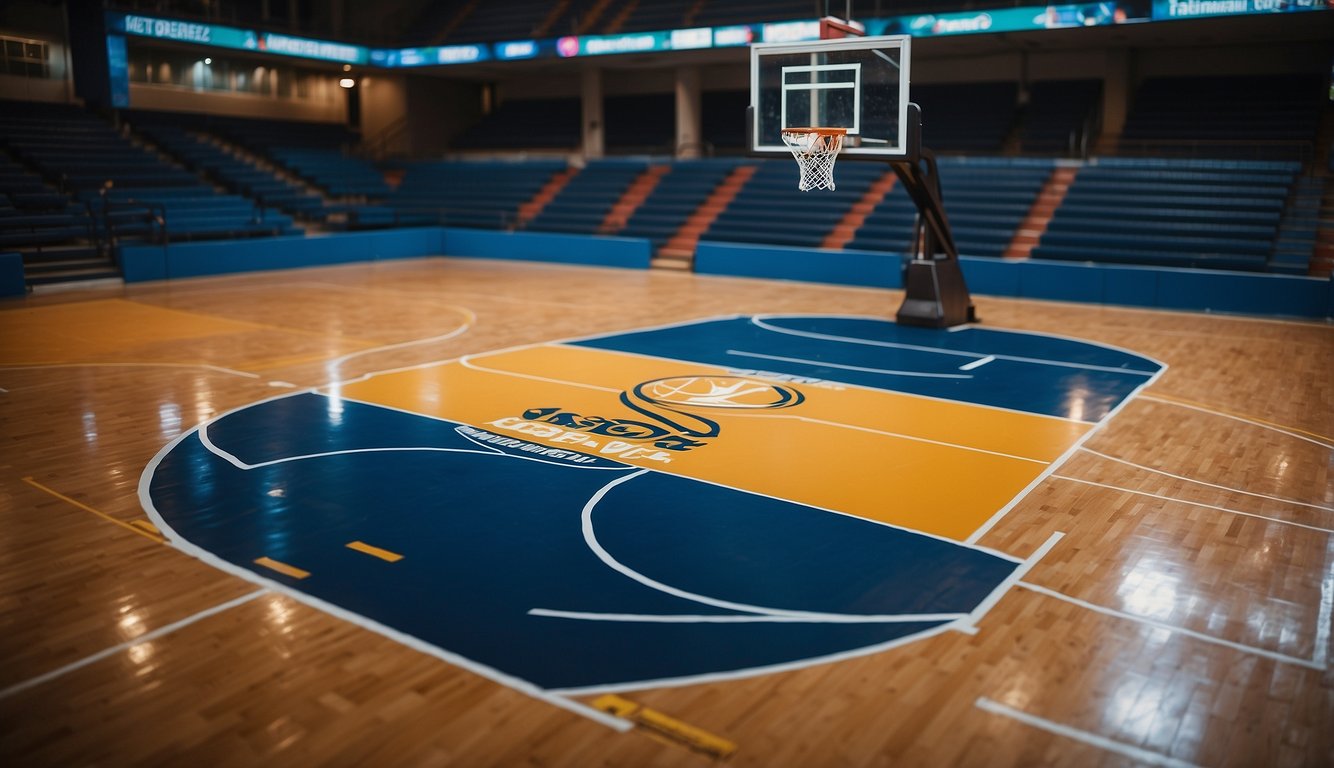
273	681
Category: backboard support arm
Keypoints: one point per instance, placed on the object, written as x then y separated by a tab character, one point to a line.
936	294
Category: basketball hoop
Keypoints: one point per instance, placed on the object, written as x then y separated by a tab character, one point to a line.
815	150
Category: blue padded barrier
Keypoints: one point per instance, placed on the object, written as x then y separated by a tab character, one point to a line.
11	275
1162	288
631	252
178	260
879	270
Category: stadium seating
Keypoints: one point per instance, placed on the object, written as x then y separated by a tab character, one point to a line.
771	210
966	117
526	124
1210	214
678	194
477	195
657	15
339	175
1258	117
511	20
641	123
985	200
1057	116
583	204
234	172
717	13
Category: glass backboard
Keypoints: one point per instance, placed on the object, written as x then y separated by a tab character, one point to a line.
857	83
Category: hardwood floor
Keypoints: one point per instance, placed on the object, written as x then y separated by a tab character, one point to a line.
1184	618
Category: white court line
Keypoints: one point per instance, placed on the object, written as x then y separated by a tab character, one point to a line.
1242	419
1202	482
144	638
591	539
1102	742
467	362
1326	608
205	366
977	363
897	435
848	384
830	618
522	686
1192	503
1275	655
470	318
824	364
937	350
969	625
1061	460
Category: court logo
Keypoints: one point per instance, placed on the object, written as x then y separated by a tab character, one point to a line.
718	392
668	423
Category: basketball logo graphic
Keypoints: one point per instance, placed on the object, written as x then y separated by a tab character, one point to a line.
718	392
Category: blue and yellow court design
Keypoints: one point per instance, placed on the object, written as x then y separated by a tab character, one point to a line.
692	502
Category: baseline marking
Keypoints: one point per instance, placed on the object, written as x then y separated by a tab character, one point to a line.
1202	482
147	636
958	353
1193	503
1092	739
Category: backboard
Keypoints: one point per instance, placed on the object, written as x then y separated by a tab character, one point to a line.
857	83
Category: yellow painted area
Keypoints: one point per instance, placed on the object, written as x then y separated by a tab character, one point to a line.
110	329
666	729
930	465
283	568
367	549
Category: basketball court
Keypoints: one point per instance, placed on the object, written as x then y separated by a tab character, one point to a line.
452	510
446	511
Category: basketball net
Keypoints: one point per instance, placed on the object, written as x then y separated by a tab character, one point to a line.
815	150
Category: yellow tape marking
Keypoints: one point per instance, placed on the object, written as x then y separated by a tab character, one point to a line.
383	554
154	534
666	729
283	568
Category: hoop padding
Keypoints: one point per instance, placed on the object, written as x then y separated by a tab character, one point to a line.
815	150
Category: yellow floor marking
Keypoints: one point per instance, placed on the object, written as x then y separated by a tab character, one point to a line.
1247	417
383	554
144	525
283	568
666	729
154	535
